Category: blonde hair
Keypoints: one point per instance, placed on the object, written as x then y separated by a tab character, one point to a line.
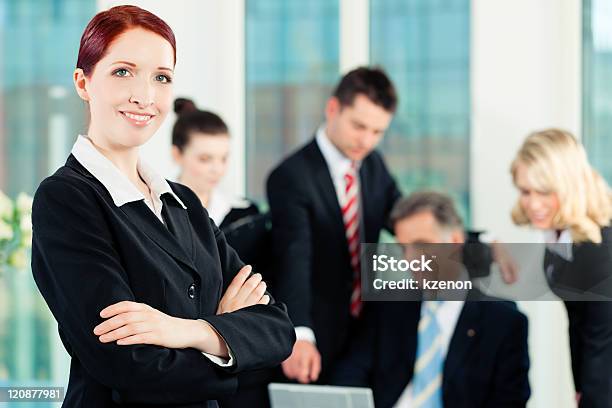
556	162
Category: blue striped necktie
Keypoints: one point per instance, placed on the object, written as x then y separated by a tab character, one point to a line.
427	379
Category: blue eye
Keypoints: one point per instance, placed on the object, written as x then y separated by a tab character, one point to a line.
121	72
163	78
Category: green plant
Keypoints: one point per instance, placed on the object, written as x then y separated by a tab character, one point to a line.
15	230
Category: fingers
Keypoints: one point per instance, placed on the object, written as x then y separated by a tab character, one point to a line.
304	365
238	281
296	368
265	299
509	272
257	294
315	367
288	369
303	376
122	307
507	265
125	331
249	286
141	338
292	365
244	291
118	321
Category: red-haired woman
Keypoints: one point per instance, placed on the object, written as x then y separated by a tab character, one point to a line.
152	304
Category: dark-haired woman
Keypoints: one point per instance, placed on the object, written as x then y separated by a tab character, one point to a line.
200	146
152	304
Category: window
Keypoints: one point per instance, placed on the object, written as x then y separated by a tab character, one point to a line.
40	115
597	84
424	46
291	67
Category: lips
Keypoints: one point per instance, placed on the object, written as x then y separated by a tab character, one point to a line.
138	119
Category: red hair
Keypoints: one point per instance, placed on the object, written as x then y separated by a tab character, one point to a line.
107	25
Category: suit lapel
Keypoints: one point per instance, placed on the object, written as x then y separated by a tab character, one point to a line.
143	219
325	185
178	223
365	194
466	332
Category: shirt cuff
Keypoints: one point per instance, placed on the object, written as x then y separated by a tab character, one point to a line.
305	333
220	361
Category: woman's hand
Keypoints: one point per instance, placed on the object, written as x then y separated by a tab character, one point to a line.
507	265
137	323
243	292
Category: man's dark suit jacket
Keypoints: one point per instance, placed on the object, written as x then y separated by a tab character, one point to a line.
590	322
486	364
87	254
314	275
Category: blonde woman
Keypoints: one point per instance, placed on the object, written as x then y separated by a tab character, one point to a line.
561	194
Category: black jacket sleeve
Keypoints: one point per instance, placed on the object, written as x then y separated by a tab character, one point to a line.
511	380
590	331
292	244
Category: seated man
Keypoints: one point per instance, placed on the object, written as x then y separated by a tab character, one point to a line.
438	353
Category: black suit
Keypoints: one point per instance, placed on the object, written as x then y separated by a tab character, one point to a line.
486	363
310	245
87	254
590	322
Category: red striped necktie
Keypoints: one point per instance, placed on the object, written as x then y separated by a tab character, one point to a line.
350	215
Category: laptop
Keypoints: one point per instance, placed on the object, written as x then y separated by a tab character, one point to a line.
319	396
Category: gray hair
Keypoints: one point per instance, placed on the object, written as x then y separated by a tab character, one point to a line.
440	205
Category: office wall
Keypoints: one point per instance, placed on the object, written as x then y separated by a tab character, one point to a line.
525	76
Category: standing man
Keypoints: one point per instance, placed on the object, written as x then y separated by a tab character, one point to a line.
325	199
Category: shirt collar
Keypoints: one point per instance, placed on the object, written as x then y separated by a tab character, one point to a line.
561	245
565	237
118	185
337	162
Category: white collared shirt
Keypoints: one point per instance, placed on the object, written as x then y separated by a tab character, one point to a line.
337	163
447	316
123	191
220	205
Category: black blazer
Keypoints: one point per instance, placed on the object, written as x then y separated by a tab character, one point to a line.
486	364
88	253
314	275
590	322
237	215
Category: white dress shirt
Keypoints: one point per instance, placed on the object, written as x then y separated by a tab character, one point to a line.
219	205
123	191
338	165
446	315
